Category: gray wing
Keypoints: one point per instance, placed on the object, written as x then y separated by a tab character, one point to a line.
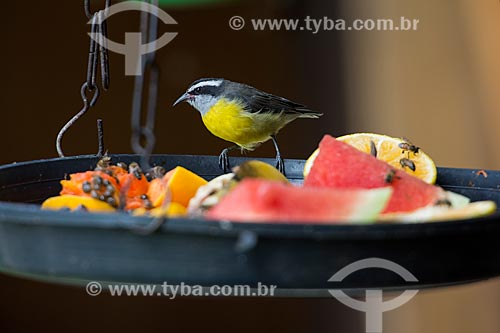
259	101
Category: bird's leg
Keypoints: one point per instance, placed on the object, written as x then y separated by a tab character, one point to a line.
280	164
224	160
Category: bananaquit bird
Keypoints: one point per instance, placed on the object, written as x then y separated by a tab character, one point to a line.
242	114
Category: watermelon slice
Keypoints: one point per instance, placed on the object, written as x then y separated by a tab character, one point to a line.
257	200
342	166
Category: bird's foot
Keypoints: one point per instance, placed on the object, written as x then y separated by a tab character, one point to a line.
280	164
224	161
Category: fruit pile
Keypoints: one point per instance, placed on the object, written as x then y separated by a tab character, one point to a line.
358	178
120	187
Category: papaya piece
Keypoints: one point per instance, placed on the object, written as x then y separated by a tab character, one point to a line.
128	188
74	201
95	184
136	203
157	190
134	186
181	183
117	171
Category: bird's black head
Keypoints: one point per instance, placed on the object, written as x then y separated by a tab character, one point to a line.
209	86
203	87
203	93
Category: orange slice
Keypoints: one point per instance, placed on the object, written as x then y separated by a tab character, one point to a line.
397	152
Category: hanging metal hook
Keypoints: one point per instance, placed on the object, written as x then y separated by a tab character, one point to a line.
98	28
86	106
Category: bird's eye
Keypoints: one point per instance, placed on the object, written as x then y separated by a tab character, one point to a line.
197	90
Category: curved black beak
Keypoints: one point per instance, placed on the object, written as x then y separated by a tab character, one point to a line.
184	97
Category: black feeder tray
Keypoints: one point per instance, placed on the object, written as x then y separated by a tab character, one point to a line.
75	248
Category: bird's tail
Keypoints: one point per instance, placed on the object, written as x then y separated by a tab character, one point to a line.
309	114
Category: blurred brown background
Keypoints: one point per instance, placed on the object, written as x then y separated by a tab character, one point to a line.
45	60
439	86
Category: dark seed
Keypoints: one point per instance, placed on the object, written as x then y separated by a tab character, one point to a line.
373	149
96	187
86	187
102	197
97	180
94	194
110	188
106	182
111	201
144	197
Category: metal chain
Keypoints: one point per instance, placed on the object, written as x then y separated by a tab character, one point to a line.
143	138
98	28
88	11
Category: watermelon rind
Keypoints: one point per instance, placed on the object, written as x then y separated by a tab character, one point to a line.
371	204
457	200
442	213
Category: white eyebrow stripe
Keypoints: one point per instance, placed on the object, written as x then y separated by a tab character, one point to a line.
212	83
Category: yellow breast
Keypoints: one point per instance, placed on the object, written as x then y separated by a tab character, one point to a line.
229	121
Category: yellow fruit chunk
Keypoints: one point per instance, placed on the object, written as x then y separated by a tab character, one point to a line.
388	149
183	185
172	210
74	201
258	169
180	183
